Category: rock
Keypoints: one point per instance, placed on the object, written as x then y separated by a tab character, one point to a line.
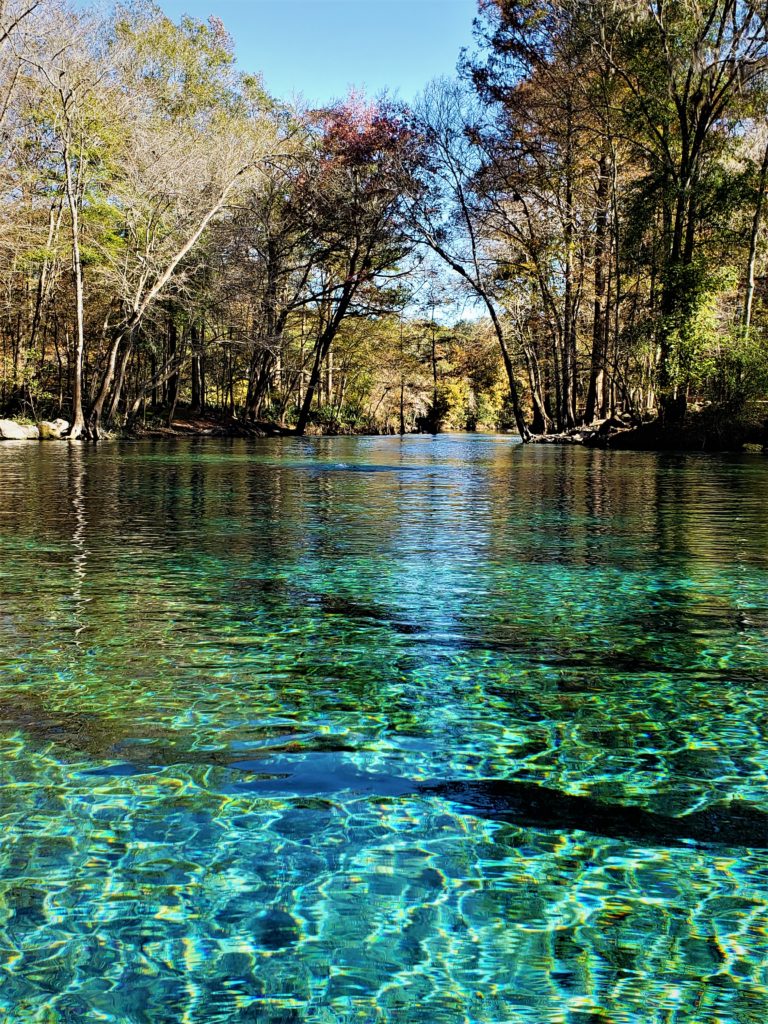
10	430
53	431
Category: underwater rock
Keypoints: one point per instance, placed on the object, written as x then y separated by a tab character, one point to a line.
276	929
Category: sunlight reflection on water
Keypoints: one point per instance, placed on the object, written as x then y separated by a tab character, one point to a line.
207	649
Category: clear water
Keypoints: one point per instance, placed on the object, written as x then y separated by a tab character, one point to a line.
226	665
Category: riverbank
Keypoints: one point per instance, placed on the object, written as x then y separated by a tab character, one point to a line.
706	430
185	423
182	426
209	426
189	425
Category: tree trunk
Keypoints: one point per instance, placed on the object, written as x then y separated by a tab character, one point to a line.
541	423
106	382
115	400
568	407
476	284
196	399
329	378
675	307
322	348
596	391
753	239
172	392
522	428
78	428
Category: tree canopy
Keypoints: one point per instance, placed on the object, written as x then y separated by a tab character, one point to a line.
588	193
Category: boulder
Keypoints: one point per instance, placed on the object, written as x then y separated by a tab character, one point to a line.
10	430
53	430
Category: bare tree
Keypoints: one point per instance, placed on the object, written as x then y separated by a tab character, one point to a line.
74	95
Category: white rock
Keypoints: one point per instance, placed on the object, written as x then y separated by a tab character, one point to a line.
53	430
10	430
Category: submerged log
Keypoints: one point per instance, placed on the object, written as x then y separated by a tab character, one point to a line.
279	762
733	823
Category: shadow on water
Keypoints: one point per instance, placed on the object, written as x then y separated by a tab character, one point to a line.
730	824
89	735
527	805
370	614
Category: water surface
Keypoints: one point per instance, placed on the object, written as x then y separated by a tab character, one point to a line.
227	667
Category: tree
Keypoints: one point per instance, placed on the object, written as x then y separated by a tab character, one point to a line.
197	125
445	214
77	103
690	73
353	204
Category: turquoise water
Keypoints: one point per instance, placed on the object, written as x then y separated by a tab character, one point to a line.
228	669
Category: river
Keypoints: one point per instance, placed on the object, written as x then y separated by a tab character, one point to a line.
251	692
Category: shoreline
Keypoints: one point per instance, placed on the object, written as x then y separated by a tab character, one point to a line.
697	434
610	435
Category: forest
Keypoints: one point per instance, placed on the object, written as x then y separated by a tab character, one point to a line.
569	232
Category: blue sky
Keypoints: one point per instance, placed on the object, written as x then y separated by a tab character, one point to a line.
319	48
